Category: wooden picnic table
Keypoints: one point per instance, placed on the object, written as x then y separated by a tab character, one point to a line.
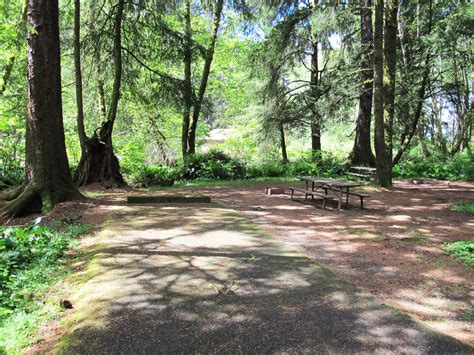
340	186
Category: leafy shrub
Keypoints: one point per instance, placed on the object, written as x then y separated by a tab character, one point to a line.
212	165
461	167
147	175
26	250
463	250
267	169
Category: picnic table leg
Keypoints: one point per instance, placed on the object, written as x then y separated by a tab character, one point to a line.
340	198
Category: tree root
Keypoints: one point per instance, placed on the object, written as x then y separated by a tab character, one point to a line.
28	201
12	193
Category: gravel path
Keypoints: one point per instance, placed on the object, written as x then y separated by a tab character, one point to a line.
201	278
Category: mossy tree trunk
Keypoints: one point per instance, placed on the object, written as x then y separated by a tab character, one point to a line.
48	176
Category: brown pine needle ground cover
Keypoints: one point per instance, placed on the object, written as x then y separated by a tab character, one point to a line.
394	249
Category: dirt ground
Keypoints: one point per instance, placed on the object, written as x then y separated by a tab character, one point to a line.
394	248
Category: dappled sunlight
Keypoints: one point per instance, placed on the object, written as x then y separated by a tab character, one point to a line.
194	285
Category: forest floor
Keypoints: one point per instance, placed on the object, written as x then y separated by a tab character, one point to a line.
203	278
393	250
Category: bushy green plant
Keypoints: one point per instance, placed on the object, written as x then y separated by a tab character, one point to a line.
466	207
24	251
460	167
463	250
267	169
148	175
212	165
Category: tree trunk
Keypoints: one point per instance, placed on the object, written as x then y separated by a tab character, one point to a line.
284	154
49	178
205	77
390	61
188	89
410	130
98	162
362	152
383	176
77	63
314	82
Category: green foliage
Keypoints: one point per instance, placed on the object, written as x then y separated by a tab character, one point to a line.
463	250
26	255
213	165
458	168
31	260
466	207
147	175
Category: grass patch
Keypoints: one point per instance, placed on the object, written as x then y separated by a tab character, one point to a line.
32	259
468	315
462	250
415	237
366	234
214	182
465	207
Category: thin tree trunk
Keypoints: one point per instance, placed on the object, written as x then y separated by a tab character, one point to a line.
188	89
314	82
284	154
49	178
100	87
205	77
77	63
410	130
99	163
362	152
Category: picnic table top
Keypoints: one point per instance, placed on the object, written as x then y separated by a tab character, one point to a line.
330	182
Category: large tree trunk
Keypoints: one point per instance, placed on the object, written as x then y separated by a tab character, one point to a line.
205	77
362	152
383	174
98	162
49	178
314	82
188	88
390	61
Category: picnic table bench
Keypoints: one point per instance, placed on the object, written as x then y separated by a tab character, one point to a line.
362	172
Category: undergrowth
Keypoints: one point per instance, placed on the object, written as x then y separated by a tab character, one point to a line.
32	258
462	250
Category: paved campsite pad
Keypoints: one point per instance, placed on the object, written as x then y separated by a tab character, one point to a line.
194	278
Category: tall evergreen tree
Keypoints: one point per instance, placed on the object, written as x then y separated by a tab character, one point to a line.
48	177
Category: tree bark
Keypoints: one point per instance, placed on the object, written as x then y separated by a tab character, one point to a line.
99	163
383	176
188	89
390	61
362	152
205	77
49	178
314	82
